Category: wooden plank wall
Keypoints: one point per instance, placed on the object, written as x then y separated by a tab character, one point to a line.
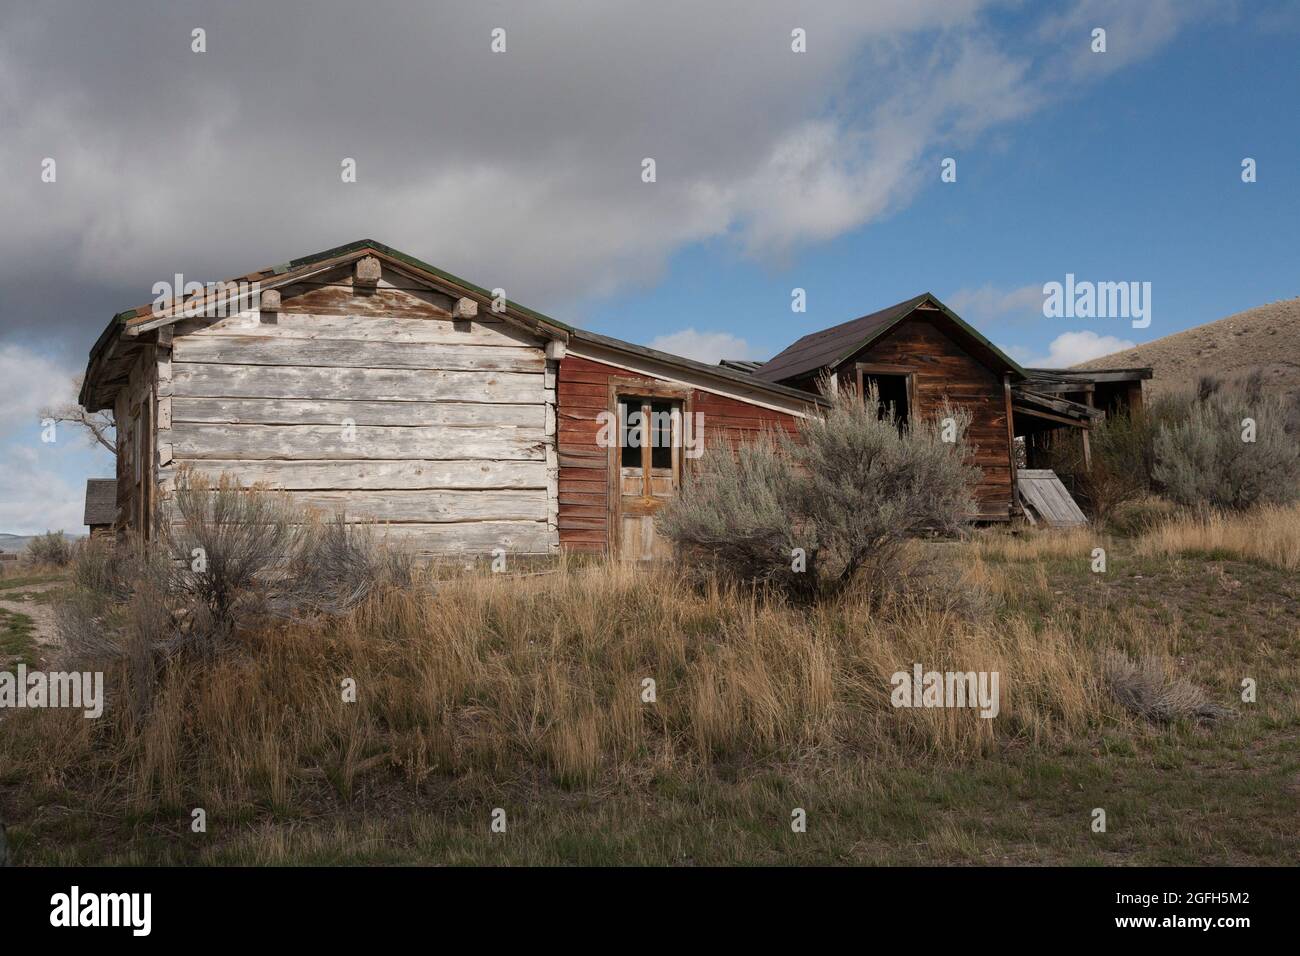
583	393
380	404
133	411
944	368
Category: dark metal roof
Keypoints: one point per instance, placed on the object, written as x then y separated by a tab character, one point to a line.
820	349
1058	381
101	501
829	347
715	371
741	365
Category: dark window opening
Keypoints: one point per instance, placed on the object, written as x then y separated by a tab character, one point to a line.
647	423
632	431
660	429
892	391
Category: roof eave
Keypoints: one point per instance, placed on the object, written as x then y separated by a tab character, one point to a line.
910	309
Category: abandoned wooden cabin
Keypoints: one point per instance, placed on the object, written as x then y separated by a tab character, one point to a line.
101	506
361	380
919	355
365	381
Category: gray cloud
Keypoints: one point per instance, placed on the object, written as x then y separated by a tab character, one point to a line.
519	169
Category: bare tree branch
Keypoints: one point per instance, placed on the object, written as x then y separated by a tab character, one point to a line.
100	426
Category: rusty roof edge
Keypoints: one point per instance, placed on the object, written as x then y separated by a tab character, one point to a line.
911	306
715	371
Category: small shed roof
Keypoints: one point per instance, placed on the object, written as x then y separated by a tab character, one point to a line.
101	501
829	347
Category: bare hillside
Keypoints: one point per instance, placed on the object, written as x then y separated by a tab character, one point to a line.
1266	337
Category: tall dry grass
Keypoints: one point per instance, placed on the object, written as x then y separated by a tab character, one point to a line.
509	680
493	681
1269	535
1038	544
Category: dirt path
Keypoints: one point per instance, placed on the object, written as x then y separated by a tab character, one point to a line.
44	632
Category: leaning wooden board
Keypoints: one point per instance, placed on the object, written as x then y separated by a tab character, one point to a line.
1046	499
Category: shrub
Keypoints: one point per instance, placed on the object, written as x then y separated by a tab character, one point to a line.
736	516
1145	688
227	558
849	491
1205	460
337	567
229	547
50	548
1122	451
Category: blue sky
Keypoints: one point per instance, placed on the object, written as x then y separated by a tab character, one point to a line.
775	170
1137	177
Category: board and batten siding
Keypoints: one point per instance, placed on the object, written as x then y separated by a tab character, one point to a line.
584	392
381	406
945	371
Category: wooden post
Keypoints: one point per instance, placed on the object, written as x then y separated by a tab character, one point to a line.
1011	439
1087	449
1135	397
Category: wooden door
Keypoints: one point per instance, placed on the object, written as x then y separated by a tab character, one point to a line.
649	472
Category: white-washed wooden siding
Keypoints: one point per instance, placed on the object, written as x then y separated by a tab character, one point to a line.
442	429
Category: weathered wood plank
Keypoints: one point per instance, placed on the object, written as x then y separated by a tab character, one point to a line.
378	475
329	412
473	537
429	331
342	299
260	442
1043	492
358	384
426	507
336	353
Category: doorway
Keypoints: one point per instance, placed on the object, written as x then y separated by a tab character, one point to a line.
646	466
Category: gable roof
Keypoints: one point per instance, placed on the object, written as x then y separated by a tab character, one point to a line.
101	501
113	353
829	347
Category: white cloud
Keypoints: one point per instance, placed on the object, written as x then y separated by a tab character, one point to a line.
988	303
519	169
1132	31
43	487
1071	348
704	346
38	497
29	383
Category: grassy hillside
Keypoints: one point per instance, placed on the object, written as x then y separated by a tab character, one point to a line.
526	694
1266	338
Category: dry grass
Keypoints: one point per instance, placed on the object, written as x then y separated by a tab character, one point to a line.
1269	535
507	678
1037	544
476	690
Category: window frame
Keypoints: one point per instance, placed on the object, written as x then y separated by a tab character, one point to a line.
864	370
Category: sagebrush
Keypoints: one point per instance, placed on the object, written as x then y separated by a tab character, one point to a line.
50	548
815	513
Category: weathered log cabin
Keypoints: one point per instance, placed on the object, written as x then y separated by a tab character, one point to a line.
366	381
363	380
919	355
